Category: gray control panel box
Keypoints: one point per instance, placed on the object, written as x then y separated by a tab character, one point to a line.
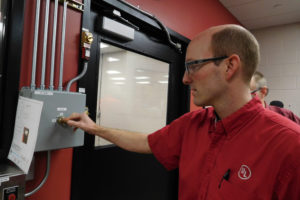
52	135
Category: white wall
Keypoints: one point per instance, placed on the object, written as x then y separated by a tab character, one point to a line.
280	63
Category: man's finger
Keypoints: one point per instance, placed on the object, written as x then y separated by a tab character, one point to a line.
73	116
72	123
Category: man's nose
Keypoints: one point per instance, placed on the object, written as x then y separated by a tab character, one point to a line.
186	79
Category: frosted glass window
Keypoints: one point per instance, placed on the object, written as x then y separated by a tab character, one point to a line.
132	91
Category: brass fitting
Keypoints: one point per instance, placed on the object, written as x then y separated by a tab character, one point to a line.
61	120
87	38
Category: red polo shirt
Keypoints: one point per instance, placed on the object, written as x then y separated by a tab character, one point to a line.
284	112
260	148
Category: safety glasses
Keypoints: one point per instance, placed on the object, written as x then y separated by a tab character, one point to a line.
195	65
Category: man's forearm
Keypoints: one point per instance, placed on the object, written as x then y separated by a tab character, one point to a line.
131	141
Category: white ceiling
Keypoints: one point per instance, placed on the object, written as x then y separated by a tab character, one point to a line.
254	14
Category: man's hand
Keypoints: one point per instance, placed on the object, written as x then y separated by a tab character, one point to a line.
82	121
131	141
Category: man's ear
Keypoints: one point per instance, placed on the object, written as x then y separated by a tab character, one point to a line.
264	91
233	63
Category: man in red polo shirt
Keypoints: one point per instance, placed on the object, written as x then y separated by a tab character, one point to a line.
258	86
234	149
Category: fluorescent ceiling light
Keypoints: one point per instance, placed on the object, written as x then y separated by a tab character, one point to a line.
143	82
166	76
163	81
118	78
112	59
119	83
102	45
141	77
113	72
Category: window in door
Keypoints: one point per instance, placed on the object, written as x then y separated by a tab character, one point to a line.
132	91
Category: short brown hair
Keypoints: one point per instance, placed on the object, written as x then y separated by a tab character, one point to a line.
237	40
259	79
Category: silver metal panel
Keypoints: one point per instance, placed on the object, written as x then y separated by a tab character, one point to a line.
57	103
117	29
10	177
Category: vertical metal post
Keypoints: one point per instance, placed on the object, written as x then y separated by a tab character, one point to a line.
51	85
35	42
45	45
62	49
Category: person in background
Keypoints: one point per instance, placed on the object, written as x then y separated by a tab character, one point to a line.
234	149
258	86
277	103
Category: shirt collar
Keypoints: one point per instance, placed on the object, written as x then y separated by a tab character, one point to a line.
266	105
234	122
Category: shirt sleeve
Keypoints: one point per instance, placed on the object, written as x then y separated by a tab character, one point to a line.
166	145
288	183
294	117
285	112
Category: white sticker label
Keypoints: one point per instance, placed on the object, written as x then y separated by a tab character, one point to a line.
81	90
62	109
4	179
42	92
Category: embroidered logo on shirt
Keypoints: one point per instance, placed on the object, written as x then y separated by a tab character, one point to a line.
244	172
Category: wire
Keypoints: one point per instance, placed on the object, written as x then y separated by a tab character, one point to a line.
79	76
45	177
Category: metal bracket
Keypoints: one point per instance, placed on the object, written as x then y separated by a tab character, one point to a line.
74	4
